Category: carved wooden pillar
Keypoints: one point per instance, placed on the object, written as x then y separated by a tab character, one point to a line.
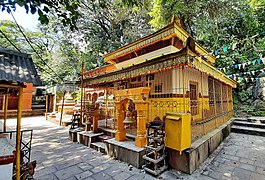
120	133
95	119
142	110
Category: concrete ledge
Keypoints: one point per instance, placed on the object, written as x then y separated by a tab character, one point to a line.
200	150
87	137
73	134
125	151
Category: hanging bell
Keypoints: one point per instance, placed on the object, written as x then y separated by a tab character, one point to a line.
129	120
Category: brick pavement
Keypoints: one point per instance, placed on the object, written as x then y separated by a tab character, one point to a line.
239	157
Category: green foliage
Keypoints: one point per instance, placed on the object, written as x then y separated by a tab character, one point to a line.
66	10
244	96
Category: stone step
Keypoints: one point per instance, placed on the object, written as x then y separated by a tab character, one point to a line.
99	146
258	119
111	132
104	137
248	130
88	137
249	124
240	119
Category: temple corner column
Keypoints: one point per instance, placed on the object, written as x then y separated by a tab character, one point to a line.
120	133
141	140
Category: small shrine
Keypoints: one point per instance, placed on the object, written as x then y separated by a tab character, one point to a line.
166	76
67	103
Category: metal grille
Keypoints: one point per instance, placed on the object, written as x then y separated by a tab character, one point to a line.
25	143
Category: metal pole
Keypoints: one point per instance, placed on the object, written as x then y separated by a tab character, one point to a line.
5	110
62	109
18	138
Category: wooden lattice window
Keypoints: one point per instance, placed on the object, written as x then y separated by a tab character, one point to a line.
158	88
194	105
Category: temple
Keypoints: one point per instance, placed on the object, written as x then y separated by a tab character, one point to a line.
165	77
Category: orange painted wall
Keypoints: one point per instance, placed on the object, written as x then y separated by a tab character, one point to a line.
27	97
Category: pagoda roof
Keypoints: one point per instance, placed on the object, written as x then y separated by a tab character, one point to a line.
171	30
185	57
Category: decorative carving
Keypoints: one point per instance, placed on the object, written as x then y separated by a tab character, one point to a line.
131	113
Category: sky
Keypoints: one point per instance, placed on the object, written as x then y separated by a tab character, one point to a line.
28	21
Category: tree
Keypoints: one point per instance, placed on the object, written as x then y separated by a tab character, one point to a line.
65	10
104	26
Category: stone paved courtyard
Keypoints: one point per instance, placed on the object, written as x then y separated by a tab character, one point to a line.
239	157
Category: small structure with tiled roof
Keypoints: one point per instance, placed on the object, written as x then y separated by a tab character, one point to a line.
168	76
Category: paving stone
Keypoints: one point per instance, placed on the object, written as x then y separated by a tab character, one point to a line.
260	170
225	178
71	178
83	175
44	171
142	176
241	174
224	168
101	176
246	161
113	170
68	172
256	176
226	156
89	178
242	153
230	151
227	174
84	166
47	177
122	176
247	167
68	163
206	178
100	168
259	164
215	174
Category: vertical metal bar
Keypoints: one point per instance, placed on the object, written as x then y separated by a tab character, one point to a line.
31	132
5	110
18	138
62	109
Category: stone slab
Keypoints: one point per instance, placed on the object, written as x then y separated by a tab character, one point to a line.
125	151
87	137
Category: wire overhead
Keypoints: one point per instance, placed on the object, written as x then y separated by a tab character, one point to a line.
33	47
10	41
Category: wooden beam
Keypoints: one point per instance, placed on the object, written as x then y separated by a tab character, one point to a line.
10	86
61	117
5	110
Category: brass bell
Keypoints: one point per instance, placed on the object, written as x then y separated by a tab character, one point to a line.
129	120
